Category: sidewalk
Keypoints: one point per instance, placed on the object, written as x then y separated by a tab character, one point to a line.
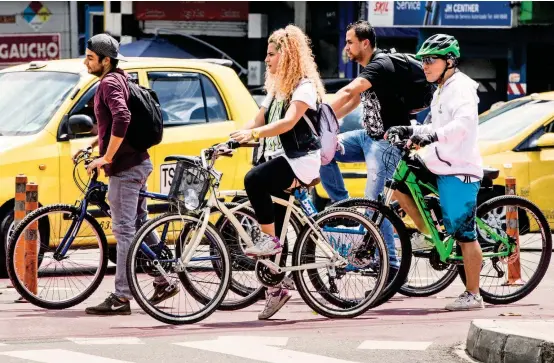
505	341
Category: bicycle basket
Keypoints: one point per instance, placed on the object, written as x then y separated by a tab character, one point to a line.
189	186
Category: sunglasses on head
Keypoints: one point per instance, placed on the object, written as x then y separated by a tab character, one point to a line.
430	59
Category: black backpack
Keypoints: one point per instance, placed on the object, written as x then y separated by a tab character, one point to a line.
146	127
412	86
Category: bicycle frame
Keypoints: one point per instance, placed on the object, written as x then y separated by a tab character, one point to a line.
335	259
403	174
94	187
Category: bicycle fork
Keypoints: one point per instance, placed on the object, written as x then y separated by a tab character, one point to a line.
71	234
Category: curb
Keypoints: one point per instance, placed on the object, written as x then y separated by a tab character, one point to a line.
505	341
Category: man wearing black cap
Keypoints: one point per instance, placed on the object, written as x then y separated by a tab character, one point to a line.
127	168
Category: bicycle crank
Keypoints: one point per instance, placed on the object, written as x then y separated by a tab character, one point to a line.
266	275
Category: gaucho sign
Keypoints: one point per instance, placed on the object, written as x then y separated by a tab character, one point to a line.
21	48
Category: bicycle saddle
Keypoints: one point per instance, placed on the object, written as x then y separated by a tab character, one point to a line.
192	159
490	173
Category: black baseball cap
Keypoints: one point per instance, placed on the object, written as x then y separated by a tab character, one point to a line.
104	45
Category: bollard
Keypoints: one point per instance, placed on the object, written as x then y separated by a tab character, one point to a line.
19	214
31	240
512	229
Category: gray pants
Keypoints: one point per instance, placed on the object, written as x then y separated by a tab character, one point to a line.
128	214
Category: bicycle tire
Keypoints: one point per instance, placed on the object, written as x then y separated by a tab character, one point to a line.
23	291
394	286
144	303
511	200
360	306
432	289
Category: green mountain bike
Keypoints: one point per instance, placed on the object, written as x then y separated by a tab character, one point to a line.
509	248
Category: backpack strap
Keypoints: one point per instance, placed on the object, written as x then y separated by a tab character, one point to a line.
310	123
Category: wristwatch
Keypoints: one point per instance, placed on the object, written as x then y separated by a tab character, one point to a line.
255	134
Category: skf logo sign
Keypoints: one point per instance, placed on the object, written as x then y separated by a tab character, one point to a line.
381	8
381	13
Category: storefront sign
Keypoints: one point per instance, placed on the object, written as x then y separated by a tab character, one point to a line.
455	14
21	48
192	10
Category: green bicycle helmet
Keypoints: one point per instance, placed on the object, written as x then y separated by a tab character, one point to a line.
441	45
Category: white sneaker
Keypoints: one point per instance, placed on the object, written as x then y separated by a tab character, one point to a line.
466	301
419	242
274	301
264	245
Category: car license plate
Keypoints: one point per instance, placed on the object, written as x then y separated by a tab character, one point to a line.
166	176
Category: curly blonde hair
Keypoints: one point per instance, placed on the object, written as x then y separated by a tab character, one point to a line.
296	62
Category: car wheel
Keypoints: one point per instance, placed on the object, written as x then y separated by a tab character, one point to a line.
6	229
112	254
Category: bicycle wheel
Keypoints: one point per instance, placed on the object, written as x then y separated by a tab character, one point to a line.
373	209
62	281
356	286
204	288
245	288
437	276
535	244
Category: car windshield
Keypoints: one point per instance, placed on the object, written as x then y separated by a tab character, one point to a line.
505	107
28	100
515	120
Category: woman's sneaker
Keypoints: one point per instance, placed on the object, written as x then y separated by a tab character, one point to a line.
264	244
274	301
466	301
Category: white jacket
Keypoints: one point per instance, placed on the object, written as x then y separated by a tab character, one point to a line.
454	118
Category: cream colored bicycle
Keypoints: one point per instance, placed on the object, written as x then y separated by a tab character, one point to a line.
339	262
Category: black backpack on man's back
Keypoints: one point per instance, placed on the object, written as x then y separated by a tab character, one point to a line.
146	127
412	88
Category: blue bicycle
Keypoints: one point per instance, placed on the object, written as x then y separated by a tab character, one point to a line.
72	250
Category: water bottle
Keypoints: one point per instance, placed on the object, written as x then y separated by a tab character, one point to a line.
305	202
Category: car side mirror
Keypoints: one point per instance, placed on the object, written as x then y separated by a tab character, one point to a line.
80	124
546	140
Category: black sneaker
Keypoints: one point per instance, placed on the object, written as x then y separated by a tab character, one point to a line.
111	306
161	293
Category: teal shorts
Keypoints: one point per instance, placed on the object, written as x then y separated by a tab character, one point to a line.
458	202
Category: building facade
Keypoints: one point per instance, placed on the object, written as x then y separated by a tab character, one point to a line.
37	31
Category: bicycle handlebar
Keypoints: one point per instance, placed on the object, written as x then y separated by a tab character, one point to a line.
210	155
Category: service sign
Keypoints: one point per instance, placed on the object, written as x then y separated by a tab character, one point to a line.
454	14
23	48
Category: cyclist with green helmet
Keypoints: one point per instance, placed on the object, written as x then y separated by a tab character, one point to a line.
450	152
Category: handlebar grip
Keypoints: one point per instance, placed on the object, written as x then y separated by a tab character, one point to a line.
232	144
250	144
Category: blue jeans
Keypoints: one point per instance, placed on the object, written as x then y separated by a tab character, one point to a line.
129	212
358	147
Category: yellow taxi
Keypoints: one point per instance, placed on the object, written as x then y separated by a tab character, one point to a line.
202	101
516	137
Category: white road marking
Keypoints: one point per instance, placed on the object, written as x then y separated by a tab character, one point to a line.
107	341
394	345
59	356
260	349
